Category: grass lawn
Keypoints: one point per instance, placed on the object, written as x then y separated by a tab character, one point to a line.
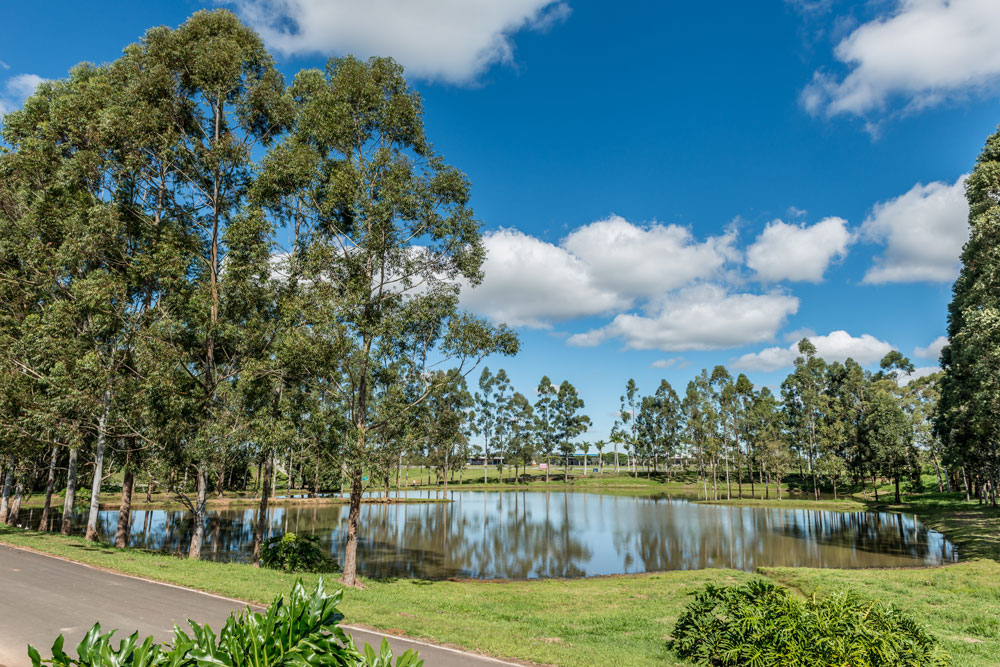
619	620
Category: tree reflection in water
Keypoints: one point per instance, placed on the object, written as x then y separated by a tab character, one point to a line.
519	535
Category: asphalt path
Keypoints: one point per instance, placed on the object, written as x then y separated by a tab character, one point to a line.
42	596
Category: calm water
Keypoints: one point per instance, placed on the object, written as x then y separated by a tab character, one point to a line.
534	534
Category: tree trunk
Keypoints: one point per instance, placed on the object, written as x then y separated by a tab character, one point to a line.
149	487
350	577
95	487
43	524
739	471
15	504
875	487
729	490
548	464
8	482
897	488
937	469
70	499
198	532
125	511
220	483
447	469
258	534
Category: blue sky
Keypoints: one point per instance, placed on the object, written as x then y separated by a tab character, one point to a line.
665	186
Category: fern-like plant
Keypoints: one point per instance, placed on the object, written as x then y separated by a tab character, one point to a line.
303	632
760	624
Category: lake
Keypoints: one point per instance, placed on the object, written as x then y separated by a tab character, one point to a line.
520	535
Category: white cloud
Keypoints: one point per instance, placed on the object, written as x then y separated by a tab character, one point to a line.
798	252
4	65
449	40
673	362
923	229
835	346
601	268
529	282
923	52
17	89
932	351
704	317
638	260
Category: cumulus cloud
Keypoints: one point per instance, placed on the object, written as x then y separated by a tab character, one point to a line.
448	40
932	351
17	89
923	230
786	251
636	260
922	53
835	346
704	317
604	267
529	282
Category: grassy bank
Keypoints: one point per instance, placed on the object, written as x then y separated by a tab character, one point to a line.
600	621
621	620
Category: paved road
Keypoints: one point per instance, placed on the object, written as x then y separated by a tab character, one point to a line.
41	597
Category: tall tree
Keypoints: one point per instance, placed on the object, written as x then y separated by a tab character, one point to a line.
805	405
545	420
395	235
968	417
569	422
627	415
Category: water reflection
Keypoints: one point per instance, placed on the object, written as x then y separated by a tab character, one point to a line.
516	535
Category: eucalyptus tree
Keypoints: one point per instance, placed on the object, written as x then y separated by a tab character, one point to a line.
504	428
521	444
743	393
485	422
545	420
394	239
659	424
627	415
700	427
569	422
724	397
444	415
920	399
805	405
770	442
199	101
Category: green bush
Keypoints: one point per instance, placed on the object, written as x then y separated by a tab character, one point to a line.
296	553
301	633
761	624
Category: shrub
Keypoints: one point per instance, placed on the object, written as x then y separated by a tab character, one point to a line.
759	623
303	633
296	553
